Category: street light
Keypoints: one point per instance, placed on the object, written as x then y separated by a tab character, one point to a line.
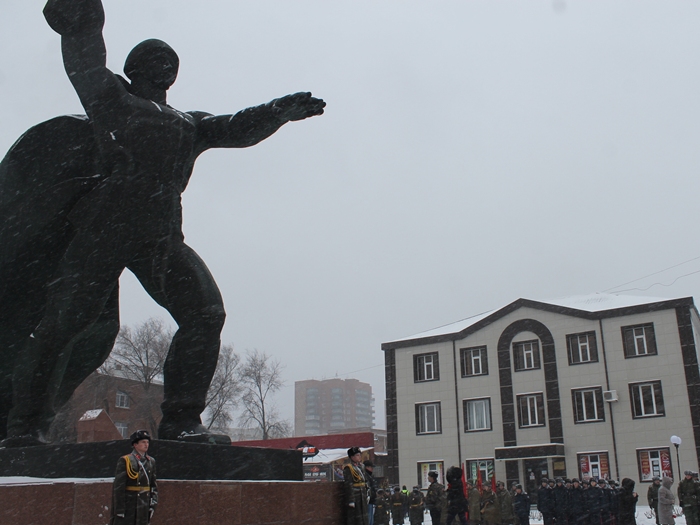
677	443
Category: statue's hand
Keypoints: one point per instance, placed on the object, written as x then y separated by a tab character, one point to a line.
68	17
297	107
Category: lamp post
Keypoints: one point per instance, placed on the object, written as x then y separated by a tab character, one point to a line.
677	443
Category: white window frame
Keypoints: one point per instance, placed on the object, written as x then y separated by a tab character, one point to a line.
595	394
472	356
428	367
122	400
639	410
477	407
429	418
123	429
530	351
532	407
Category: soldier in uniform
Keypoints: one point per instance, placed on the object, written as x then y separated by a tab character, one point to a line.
381	508
653	496
521	506
135	492
397	516
490	510
688	498
561	502
355	489
474	498
505	503
577	504
545	502
435	499
415	506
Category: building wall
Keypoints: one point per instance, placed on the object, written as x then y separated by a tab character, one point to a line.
453	445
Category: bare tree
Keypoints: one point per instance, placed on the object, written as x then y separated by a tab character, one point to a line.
260	377
140	353
225	390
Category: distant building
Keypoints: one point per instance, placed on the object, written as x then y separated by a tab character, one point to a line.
588	386
128	403
332	405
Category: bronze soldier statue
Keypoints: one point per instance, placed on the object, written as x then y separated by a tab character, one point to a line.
108	198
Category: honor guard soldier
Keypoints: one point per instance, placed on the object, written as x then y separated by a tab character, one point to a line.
355	485
135	492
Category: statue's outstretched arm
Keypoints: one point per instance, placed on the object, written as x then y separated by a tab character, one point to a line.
250	126
80	22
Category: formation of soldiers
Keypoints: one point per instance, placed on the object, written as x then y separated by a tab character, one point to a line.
398	504
560	501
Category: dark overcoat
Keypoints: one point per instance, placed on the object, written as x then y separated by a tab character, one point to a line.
134	491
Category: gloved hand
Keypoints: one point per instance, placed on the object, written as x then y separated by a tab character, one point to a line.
150	513
120	515
351	505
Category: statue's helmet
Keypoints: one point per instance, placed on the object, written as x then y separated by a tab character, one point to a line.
153	60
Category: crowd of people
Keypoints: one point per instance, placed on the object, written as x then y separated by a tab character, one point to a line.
560	501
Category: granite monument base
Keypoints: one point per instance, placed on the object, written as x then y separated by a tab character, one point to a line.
174	460
180	502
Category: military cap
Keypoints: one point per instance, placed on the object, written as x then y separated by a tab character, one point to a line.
139	435
353	450
368	463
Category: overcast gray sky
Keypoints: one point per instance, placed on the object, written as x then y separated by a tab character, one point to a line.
471	153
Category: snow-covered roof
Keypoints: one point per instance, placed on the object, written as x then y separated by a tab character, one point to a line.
327	455
591	303
90	414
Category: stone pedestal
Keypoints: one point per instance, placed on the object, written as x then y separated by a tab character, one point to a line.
180	502
174	460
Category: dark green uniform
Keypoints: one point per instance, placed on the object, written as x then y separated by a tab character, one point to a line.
134	492
415	507
688	499
397	515
435	500
355	486
381	509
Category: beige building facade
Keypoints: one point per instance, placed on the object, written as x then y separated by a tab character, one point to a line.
589	386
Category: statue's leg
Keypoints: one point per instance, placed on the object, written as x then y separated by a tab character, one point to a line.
91	349
183	285
76	298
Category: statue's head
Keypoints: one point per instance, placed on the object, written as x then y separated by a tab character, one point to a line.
153	60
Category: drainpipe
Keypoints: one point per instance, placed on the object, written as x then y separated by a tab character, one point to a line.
607	387
459	428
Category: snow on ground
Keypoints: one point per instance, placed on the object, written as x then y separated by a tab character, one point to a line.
644	517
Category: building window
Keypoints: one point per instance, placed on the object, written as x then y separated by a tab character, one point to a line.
654	462
425	367
639	340
474	362
593	465
582	348
647	399
427	466
123	429
477	414
588	405
122	399
428	419
531	410
526	355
